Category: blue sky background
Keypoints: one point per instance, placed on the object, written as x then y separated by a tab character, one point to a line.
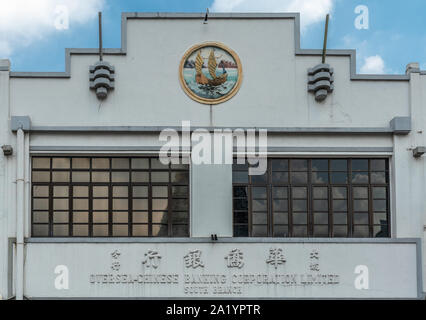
396	34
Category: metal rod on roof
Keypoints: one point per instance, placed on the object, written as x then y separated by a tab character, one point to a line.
206	16
100	37
324	50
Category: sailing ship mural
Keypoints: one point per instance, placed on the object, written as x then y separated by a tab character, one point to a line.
210	73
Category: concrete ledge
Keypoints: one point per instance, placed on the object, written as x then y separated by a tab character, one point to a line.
20	122
401	125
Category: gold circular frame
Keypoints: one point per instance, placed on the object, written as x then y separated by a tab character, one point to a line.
227	96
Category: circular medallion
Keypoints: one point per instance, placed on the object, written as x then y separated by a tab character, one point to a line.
210	73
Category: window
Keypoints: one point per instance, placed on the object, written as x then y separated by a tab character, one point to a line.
312	198
109	197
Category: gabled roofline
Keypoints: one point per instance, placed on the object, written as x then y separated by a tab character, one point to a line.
165	15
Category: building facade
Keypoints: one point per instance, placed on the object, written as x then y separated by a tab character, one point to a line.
89	210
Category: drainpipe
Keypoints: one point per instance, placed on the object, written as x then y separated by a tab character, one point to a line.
20	187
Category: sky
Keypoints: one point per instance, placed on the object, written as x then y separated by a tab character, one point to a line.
386	34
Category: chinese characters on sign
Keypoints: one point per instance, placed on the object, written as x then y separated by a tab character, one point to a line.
234	259
152	259
115	265
193	259
276	257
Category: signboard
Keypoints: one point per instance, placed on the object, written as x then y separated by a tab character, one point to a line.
223	270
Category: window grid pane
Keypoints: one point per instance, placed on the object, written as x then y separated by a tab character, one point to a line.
313	198
109	197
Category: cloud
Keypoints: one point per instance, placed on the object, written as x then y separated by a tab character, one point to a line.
373	65
312	11
23	22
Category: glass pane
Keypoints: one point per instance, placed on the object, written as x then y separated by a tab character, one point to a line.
60	176
160	230
259	179
260	218
60	204
321	218
140	191
180	177
156	164
280	205
240	217
180	230
60	230
378	177
320	177
240	192
40	217
100	192
120	217
140	177
120	176
279	177
360	177
160	192
80	204
360	192
60	191
299	177
160	204
102	176
339	177
360	218
340	192
379	193
140	163
299	193
300	218
280	192
340	218
321	231
299	165
140	217
339	165
259	231
60	163
320	192
240	176
100	230
378	165
140	230
100	163
40	176
240	230
379	205
179	204
120	163
320	165
80	230
100	204
340	231
120	204
259	192
120	230
380	218
299	205
381	231
279	165
100	217
160	217
60	217
359	165
80	191
183	217
159	177
300	231
259	205
321	205
280	218
80	177
80	163
43	191
40	230
361	232
120	191
360	205
182	191
41	163
81	217
281	231
140	204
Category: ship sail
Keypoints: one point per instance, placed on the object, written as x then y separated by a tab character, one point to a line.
212	65
199	63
